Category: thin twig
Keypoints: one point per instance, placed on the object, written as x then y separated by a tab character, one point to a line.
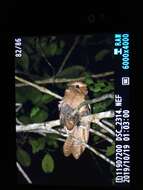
44	55
68	54
101	135
108	123
106	114
66	80
60	139
100	155
40	88
105	127
23	173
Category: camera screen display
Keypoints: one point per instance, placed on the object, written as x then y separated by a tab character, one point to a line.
72	109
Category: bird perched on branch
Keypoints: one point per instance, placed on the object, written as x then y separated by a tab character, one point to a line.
78	130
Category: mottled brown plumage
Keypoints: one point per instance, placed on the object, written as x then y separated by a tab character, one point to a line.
78	131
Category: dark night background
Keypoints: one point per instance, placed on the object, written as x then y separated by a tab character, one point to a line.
89	170
128	17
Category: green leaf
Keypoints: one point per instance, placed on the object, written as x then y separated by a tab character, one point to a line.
109	87
59	51
19	96
72	72
62	44
89	81
33	95
25	119
100	55
23	157
27	93
46	99
95	138
53	143
110	150
95	126
51	140
53	48
34	111
95	89
101	86
48	163
24	94
37	144
102	106
40	116
85	39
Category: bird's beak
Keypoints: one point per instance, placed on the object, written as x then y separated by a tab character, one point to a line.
84	90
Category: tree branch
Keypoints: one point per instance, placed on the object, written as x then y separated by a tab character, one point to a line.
47	125
100	155
101	135
40	88
108	123
105	127
23	173
86	145
65	80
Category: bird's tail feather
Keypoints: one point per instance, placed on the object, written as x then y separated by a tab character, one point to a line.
73	144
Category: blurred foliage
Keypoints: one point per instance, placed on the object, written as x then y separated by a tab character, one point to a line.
37	144
98	88
47	163
72	72
39	57
50	49
34	110
101	54
40	116
95	138
41	143
86	39
23	157
24	94
110	150
51	140
37	52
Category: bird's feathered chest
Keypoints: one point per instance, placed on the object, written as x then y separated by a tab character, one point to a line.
72	99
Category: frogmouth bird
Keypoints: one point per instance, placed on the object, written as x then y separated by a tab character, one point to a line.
78	130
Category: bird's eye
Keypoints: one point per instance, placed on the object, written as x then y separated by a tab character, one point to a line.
77	86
